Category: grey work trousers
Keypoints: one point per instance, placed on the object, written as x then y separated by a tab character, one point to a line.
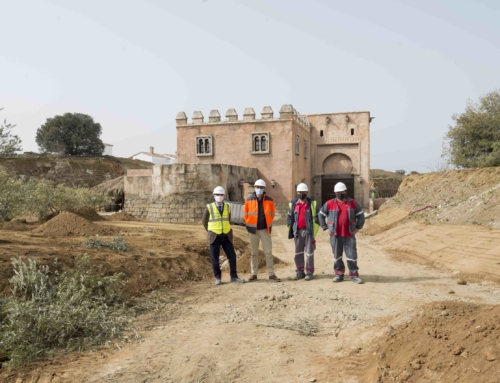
304	245
347	244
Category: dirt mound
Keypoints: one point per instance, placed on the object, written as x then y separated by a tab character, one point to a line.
17	225
68	224
89	214
123	217
446	246
445	342
385	220
462	197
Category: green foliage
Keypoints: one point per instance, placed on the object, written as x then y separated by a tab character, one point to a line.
474	141
42	197
71	134
11	197
402	172
73	310
9	143
117	244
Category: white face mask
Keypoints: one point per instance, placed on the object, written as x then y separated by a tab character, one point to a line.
219	198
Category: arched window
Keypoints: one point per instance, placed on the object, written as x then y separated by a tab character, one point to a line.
261	142
204	145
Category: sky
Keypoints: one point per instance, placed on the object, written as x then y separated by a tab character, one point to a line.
132	65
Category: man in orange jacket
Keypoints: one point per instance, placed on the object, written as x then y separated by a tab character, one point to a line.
258	214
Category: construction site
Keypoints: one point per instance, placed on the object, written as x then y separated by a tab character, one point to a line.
428	311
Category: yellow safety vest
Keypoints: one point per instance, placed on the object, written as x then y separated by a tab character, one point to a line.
219	224
313	211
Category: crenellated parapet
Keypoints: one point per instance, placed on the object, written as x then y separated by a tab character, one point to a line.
287	112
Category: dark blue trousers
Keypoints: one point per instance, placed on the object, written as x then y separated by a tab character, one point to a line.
230	254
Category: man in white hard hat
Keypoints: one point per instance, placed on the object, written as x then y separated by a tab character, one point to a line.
303	227
258	213
216	220
343	217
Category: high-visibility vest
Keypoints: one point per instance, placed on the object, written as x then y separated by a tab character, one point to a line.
217	223
313	213
251	212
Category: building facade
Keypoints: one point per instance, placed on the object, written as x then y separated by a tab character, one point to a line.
318	149
155	158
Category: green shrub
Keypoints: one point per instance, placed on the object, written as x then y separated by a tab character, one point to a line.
73	309
43	198
118	243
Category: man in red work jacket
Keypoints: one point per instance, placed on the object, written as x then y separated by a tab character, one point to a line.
343	217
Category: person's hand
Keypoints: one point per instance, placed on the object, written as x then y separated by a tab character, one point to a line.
332	234
355	231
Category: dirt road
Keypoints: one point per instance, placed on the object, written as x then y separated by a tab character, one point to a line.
249	333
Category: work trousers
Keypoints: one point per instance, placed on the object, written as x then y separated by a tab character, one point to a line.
304	246
347	244
223	240
267	245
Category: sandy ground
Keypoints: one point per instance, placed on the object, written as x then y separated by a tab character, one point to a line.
247	333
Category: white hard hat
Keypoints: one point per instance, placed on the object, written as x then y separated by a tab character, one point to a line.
260	183
219	190
302	187
340	187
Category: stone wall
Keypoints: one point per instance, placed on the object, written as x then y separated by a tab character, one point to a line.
180	192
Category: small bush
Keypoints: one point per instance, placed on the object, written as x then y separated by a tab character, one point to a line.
118	243
402	172
73	310
43	198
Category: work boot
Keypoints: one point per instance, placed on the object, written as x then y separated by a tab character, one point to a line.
237	280
252	278
218	281
338	278
299	276
356	279
309	277
274	278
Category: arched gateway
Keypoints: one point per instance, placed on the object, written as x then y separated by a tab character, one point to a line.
337	167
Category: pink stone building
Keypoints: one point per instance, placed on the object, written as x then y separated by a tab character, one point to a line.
318	149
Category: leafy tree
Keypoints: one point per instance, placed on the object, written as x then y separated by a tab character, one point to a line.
402	172
72	134
474	141
9	143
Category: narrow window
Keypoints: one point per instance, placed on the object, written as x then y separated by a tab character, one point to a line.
257	144
201	147
321	133
352	132
263	143
207	145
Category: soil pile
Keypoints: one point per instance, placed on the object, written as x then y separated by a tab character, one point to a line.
68	224
17	225
445	342
463	197
123	217
89	214
388	219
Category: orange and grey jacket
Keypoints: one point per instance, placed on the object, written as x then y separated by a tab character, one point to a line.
251	212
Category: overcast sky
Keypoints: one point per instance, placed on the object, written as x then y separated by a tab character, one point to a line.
132	65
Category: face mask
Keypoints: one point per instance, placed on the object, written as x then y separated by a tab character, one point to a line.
340	196
219	198
259	192
302	196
